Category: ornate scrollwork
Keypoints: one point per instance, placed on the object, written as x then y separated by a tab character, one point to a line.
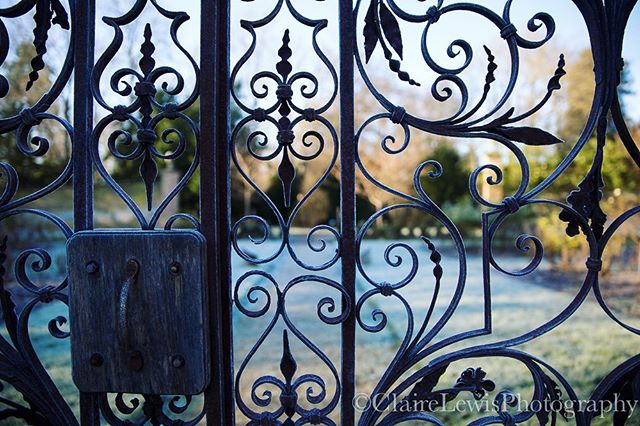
19	362
381	27
145	112
154	409
287	121
424	399
257	143
257	302
21	370
287	126
46	14
35	147
582	212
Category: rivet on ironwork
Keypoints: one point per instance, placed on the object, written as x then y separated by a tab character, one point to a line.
144	88
398	115
314	417
29	118
259	114
135	361
507	418
433	14
175	268
45	295
285	137
508	31
171	111
147	137
511	204
92	267
288	400
177	361
266	419
96	360
386	289
284	92
594	265
120	112
310	114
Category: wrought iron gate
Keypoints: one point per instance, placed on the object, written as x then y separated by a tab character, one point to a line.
283	97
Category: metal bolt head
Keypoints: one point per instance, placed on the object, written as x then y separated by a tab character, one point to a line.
175	268
177	361
96	360
92	267
136	363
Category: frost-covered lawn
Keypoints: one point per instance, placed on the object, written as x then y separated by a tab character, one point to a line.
583	349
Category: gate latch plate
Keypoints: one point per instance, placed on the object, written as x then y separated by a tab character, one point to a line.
138	312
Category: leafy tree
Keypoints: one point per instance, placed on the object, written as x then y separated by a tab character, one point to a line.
452	187
578	91
620	174
33	171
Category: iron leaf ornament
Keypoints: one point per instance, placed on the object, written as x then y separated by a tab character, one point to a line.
146	90
586	199
553	394
472	380
286	170
528	135
382	27
48	13
391	29
524	134
423	391
475	382
288	368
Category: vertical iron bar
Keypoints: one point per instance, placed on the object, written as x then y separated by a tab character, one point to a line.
347	206
84	37
83	51
215	202
486	272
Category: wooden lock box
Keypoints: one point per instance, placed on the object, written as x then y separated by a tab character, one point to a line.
139	311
